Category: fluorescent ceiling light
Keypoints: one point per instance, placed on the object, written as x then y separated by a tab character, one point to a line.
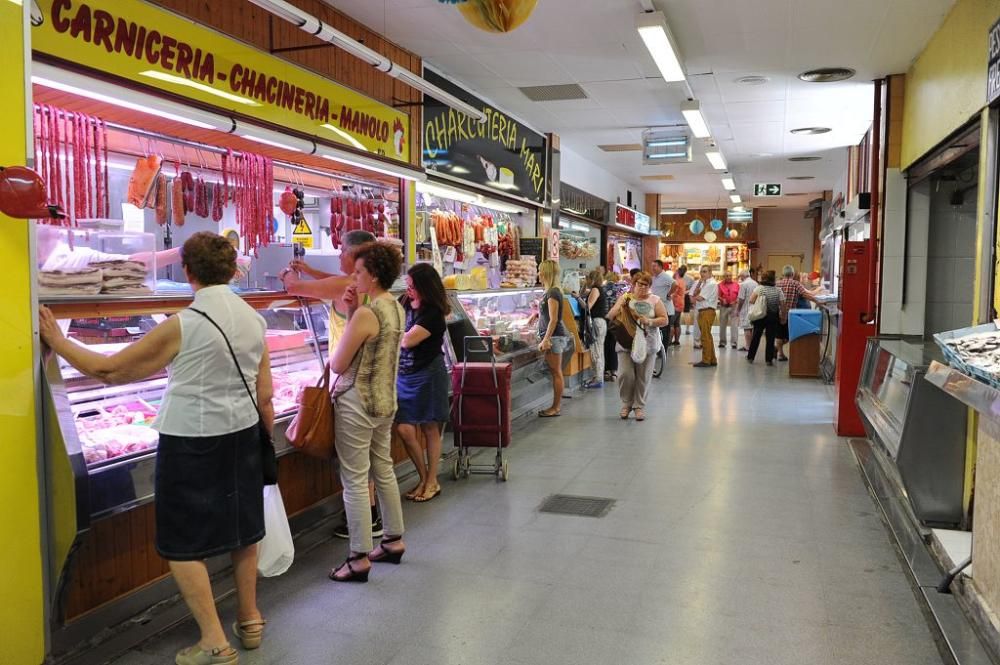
502	185
276	144
691	110
663	143
735	198
361	162
180	80
729	184
673	211
50	77
652	27
668	155
446	192
344	135
717	160
739	209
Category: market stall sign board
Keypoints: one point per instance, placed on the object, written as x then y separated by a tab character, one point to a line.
631	219
154	47
767	189
500	153
993	66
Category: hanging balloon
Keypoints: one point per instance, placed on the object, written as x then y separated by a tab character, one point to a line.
710	236
732	233
716	224
496	15
697	226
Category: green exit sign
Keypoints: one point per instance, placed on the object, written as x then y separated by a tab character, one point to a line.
767	189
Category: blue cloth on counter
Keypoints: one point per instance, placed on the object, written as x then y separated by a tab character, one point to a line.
169	286
802	322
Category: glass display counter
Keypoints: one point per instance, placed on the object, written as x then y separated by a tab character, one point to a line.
920	429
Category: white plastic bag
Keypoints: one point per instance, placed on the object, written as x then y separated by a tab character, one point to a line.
639	346
758	310
276	551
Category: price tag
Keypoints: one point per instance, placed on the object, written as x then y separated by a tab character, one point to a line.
450	254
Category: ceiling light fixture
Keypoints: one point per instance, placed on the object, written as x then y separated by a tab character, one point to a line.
274	144
811	130
315	26
691	110
667	142
370	164
827	75
673	211
716	159
344	135
729	184
668	155
83	86
801	177
655	33
180	80
735	198
804	159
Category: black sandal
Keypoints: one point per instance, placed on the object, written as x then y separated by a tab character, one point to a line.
386	555
356	575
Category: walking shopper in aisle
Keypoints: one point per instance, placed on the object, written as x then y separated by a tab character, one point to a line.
688	280
663	286
791	291
705	297
325	286
208	484
679	297
728	296
364	398
613	289
748	284
597	302
642	313
767	326
555	341
423	383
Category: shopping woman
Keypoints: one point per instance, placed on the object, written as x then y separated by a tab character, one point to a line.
613	289
598	305
555	341
422	385
769	325
208	482
364	398
642	313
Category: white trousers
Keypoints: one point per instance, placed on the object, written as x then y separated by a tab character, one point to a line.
597	348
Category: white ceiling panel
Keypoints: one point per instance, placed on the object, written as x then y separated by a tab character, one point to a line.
594	43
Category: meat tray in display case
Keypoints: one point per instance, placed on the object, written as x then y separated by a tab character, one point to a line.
99	443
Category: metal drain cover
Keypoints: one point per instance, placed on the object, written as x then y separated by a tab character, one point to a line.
583	506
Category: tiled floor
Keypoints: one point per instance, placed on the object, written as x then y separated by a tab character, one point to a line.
742	534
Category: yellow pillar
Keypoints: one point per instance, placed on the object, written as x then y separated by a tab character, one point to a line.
21	589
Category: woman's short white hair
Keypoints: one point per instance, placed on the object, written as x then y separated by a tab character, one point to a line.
788	271
744	274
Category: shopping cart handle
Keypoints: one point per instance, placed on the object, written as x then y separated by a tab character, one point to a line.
470	341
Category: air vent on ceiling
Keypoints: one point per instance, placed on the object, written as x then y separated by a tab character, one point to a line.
752	80
656	177
801	177
804	159
621	147
769	205
797	193
554	93
827	74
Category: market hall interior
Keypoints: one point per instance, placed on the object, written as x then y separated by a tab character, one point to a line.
715	286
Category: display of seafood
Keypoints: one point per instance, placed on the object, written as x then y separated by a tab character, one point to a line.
980	350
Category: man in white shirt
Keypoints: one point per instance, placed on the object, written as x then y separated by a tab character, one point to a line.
747	286
663	283
705	297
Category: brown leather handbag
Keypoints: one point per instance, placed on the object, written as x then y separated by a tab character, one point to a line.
311	430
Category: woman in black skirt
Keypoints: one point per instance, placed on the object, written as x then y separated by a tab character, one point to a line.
209	483
422	385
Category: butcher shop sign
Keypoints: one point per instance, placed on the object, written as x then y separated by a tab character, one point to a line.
500	153
154	47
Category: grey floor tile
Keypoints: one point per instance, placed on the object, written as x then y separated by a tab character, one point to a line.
742	533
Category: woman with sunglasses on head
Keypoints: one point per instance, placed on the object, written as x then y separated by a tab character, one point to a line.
643	313
423	382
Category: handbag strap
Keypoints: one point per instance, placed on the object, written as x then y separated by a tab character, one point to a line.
233	354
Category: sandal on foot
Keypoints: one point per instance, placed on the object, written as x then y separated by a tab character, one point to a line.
383	554
414	493
250	633
423	498
640	415
353	575
197	656
548	413
623	414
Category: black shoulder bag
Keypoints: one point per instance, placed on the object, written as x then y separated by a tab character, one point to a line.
268	460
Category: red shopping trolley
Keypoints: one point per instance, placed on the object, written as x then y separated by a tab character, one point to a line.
480	409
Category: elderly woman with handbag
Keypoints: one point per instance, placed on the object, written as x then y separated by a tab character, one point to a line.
637	313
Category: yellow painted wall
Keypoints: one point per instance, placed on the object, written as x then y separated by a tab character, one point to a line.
946	86
21	591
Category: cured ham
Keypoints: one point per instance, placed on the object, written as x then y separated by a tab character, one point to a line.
143	178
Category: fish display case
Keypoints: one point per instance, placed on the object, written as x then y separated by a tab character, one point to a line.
918	430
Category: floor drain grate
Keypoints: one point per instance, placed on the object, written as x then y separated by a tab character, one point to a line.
583	506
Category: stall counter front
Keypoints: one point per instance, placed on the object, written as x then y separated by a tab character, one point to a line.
100	453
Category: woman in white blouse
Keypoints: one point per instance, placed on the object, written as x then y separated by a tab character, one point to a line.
209	482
